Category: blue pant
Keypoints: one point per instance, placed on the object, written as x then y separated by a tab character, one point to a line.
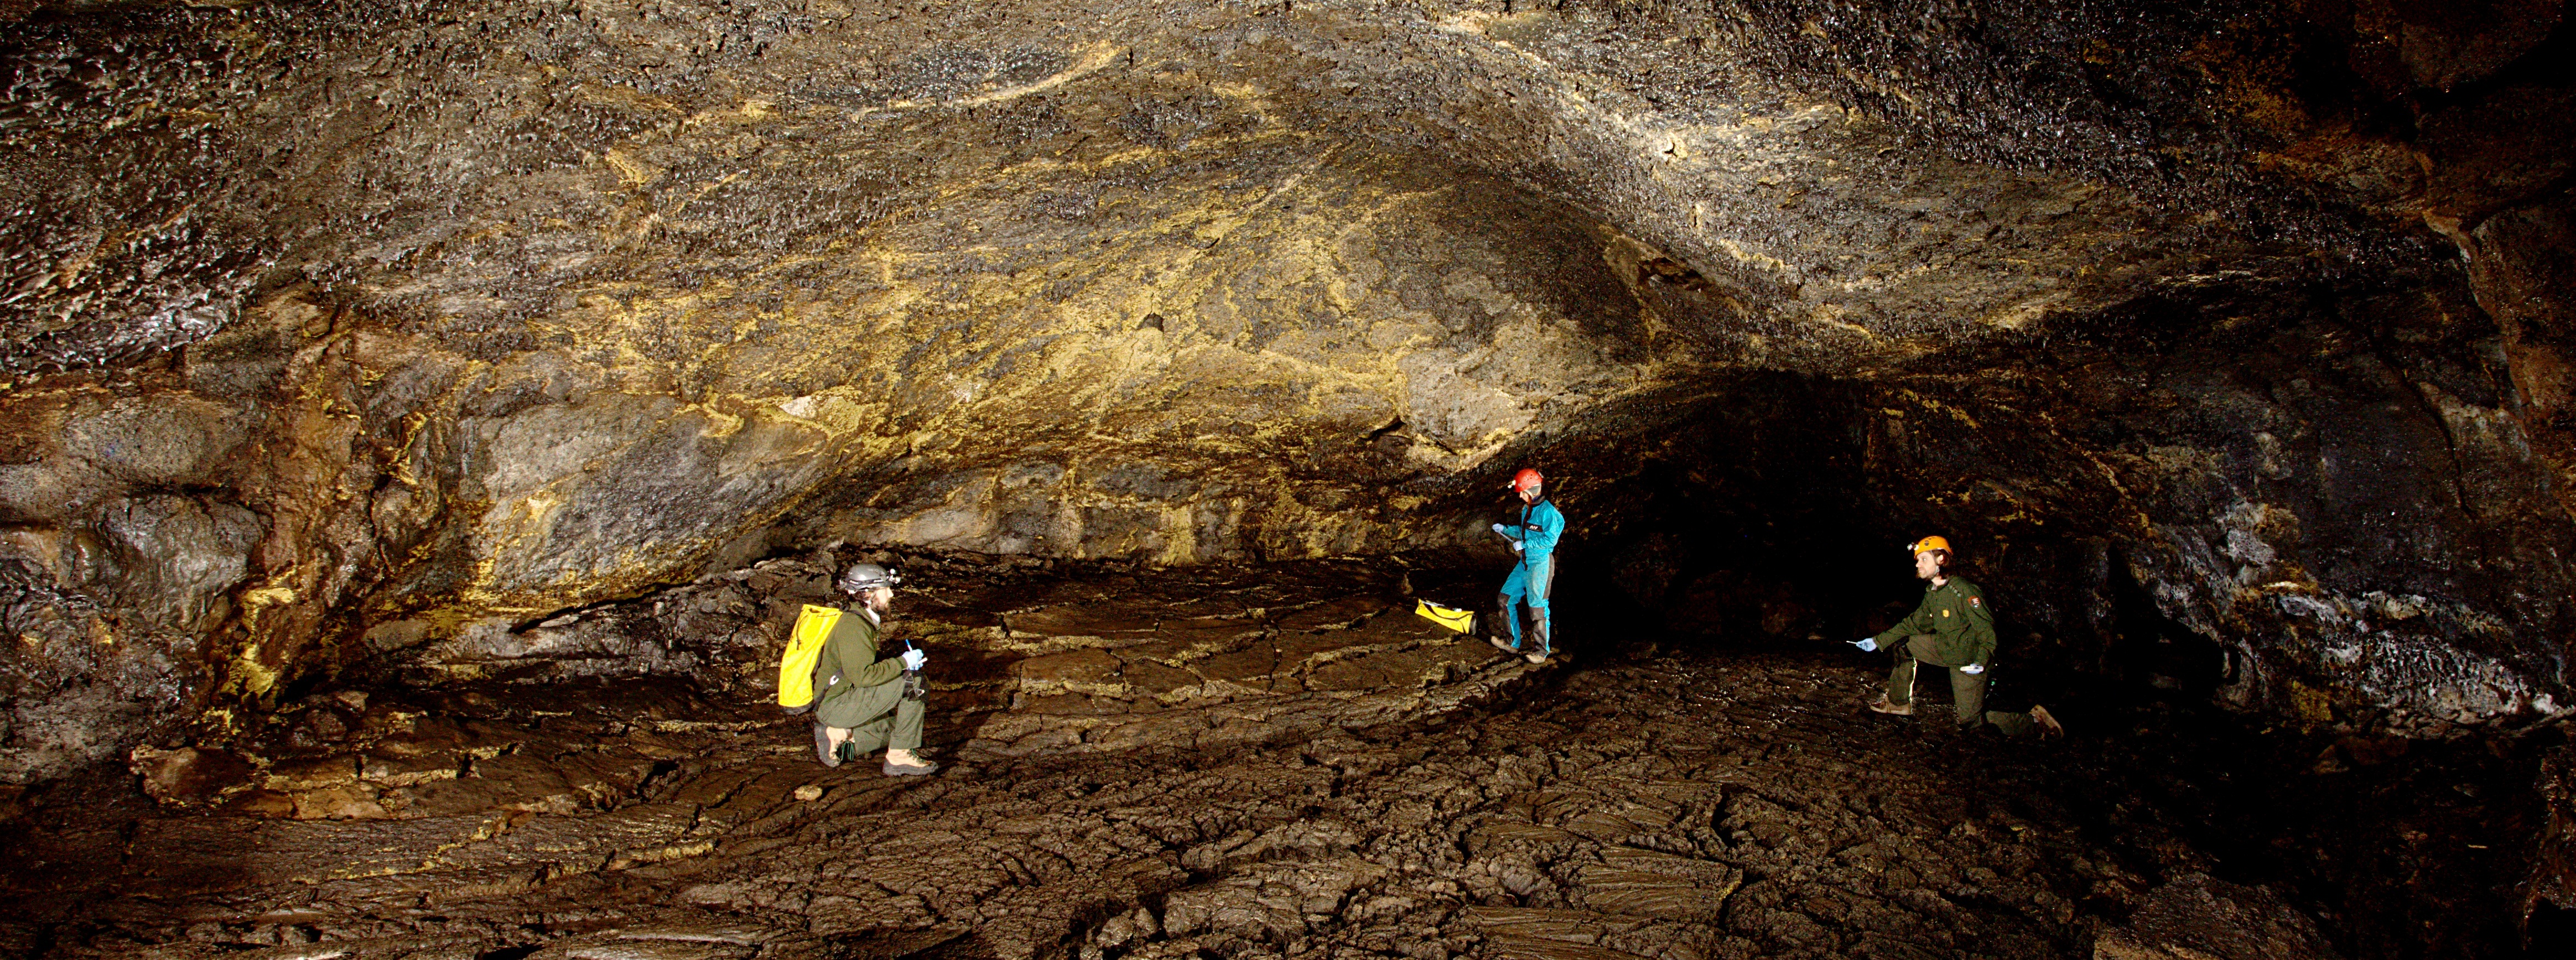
1529	582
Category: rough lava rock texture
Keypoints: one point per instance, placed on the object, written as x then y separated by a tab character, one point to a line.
1743	812
374	340
1250	761
326	317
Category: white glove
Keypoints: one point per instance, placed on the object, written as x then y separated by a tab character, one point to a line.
1516	546
913	659
1866	644
1501	530
1973	669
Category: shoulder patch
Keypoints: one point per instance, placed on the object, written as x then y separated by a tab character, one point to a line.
1976	601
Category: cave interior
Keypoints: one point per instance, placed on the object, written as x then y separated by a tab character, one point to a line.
422	422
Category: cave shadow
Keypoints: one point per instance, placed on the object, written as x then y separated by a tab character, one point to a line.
1729	505
1740	513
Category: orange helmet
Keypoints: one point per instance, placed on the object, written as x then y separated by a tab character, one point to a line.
1527	479
1927	543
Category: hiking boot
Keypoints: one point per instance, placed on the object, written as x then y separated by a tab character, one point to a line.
823	746
1535	656
1503	645
2048	725
1892	709
904	763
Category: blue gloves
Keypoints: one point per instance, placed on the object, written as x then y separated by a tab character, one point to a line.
1973	669
913	659
1866	644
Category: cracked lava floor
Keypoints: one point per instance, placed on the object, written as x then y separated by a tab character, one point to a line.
1670	807
1710	802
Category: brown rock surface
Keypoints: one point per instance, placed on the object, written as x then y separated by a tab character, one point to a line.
2197	916
1733	806
366	366
309	364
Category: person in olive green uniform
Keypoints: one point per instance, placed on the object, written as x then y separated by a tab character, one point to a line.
1953	628
862	703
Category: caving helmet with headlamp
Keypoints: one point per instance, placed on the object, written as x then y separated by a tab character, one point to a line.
863	577
1526	480
1927	544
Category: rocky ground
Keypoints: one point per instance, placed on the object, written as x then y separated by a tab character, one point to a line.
1282	763
1676	807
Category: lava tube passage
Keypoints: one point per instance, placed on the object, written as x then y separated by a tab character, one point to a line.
1335	479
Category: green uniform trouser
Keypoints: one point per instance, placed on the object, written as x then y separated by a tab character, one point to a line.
1967	690
876	717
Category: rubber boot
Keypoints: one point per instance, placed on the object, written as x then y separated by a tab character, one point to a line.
823	746
1504	619
1538	632
905	763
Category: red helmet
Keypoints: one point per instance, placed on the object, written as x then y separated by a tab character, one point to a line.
1527	479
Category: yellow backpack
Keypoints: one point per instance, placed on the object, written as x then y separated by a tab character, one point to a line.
804	646
1455	619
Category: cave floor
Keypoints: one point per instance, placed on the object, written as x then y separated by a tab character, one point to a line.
1668	806
1283	762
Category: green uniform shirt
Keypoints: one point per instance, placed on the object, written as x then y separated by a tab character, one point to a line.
851	655
1955	615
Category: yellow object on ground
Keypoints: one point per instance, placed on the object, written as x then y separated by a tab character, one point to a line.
804	646
1455	619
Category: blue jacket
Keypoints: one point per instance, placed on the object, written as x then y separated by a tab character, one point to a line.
1540	526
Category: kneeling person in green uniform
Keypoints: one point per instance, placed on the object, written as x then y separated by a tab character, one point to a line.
1953	629
862	703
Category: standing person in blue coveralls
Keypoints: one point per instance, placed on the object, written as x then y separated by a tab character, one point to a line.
1534	539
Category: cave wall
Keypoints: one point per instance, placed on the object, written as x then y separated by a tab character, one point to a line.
2335	494
337	331
2310	500
305	491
